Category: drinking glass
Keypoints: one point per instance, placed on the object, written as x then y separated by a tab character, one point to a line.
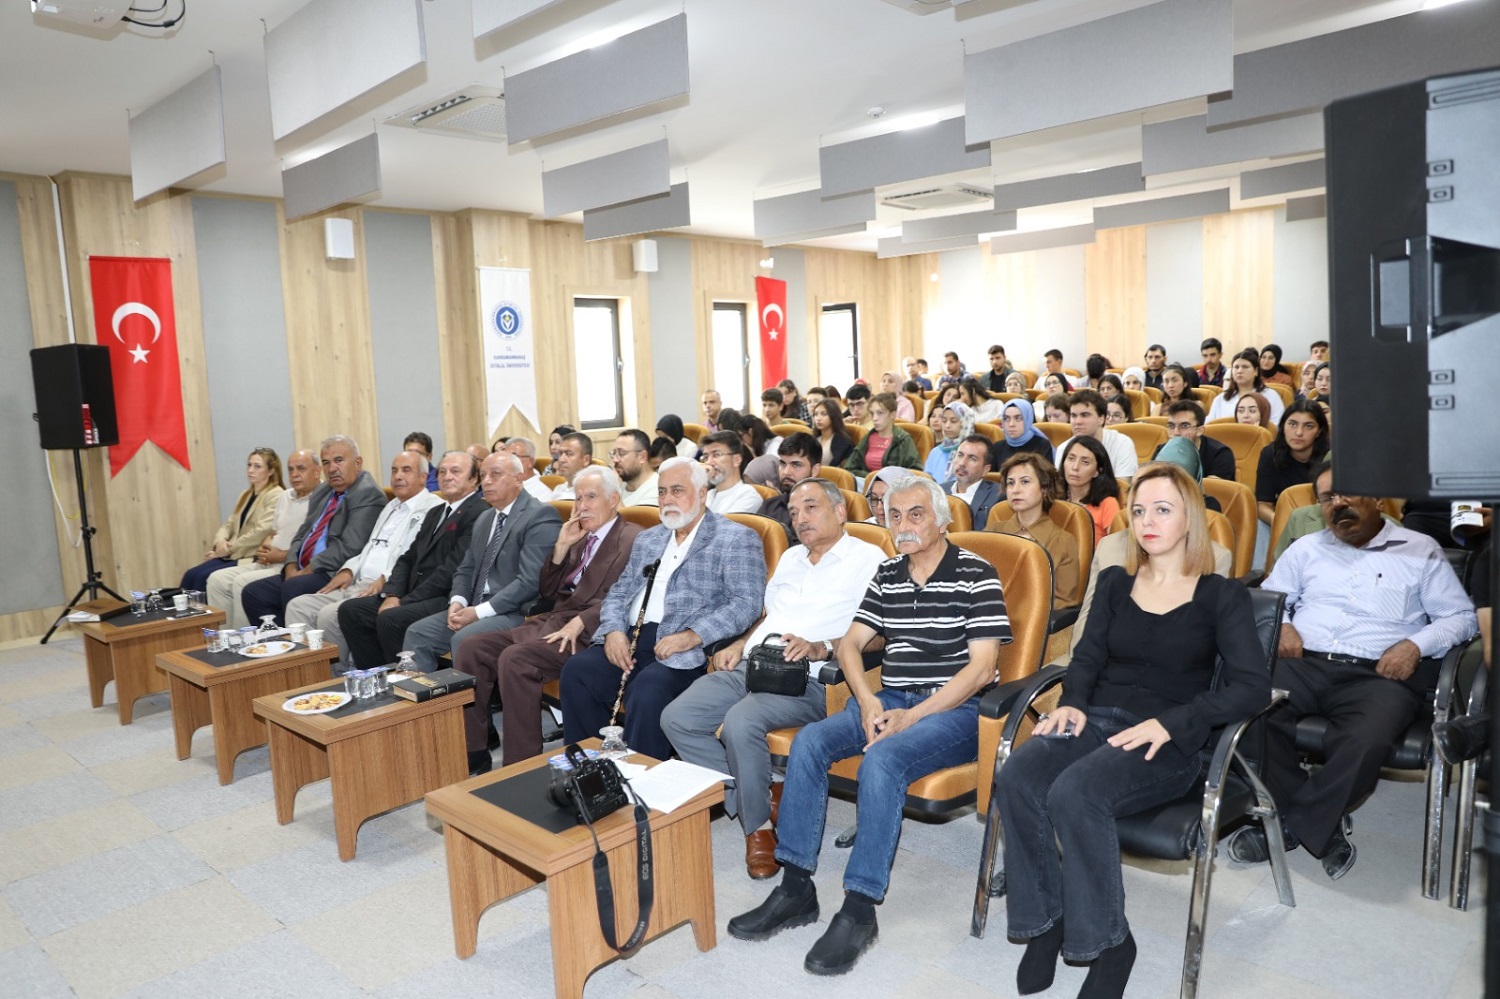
613	746
366	684
351	682
153	602
382	679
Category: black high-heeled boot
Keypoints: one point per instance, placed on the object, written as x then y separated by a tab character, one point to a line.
1110	971
1039	963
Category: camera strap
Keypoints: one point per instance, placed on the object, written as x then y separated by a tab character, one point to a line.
604	891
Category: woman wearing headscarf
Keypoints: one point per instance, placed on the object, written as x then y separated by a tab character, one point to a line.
670	427
1133	378
1270	367
905	411
877	485
957	422
1181	452
1018	435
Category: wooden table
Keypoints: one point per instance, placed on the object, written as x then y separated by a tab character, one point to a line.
125	651
203	694
494	854
377	759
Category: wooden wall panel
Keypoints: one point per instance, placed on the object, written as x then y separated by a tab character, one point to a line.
1115	293
724	270
1238	278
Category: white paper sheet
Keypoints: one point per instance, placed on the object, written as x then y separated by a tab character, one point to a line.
668	785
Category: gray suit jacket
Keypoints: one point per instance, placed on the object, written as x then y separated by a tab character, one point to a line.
985	498
350	527
526	540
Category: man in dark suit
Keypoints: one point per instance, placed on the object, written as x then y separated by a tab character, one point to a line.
375	626
341	513
496	582
970	462
591	550
1185	419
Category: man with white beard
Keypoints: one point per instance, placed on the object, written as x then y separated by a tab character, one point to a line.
708	581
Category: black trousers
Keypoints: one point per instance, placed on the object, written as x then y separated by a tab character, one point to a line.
1366	712
373	638
589	684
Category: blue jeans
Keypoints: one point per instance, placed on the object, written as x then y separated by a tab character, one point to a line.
1070	791
946	739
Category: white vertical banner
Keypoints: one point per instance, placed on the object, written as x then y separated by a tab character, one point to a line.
505	320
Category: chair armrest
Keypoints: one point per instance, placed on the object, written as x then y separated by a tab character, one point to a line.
1061	619
831	672
1254	579
1445	691
1044	680
1225	751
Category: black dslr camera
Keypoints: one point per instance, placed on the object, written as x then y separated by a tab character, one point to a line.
592	789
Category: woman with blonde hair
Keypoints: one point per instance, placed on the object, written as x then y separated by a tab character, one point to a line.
250	522
1137	710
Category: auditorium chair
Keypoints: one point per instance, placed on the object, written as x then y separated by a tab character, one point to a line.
1285	391
856	433
1237	502
1291	498
992	431
1140	403
921	435
564	508
694	432
646	516
1058	433
918	403
1185	829
856	507
1029	375
1155	421
873	534
766	492
1154	394
796	422
540	463
787	429
553	481
838	476
772	536
1246	442
1076	521
1146	438
1204	395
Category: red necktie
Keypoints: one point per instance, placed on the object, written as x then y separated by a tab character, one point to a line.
311	541
583	563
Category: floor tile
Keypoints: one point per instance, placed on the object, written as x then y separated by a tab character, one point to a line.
71	837
19	685
186	802
32	803
150	771
93	743
250	835
17	739
28	973
270	968
13	932
32	765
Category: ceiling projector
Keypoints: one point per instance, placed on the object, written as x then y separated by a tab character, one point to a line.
88	13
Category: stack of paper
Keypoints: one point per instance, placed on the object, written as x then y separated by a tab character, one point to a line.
670	784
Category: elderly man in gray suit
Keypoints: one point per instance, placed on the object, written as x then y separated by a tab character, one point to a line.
497	581
710	579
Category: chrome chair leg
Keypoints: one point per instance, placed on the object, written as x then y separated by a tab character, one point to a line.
1271	821
1463	835
1432	825
994	839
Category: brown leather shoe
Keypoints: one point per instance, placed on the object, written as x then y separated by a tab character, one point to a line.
776	788
760	854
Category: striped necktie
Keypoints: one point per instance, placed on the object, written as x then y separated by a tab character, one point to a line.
487	564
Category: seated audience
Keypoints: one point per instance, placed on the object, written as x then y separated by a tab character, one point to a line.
792	406
573	455
1244	378
1110	386
1052	364
366	572
587	558
374	627
1053	409
953	370
1174	388
946	394
876	486
226	585
670	427
555	439
1086	415
248	524
1091	483
858	400
798	459
1015	383
340	514
995	379
1288	460
905	411
957	421
828	428
770	406
1156	367
986	410
710	578
1318	350
1054	384
712	406
970	462
723	454
1095	366
1031	485
1371	609
1323	383
1180	452
885	444
630	458
1137	710
1305	384
1117	411
422	444
1133	378
525	453
496	581
1018	434
661	450
1270	367
478	451
812	597
1185	420
942	615
1212	372
1254	410
914	372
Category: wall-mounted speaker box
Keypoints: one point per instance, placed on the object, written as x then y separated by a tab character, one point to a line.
643	253
75	396
1414	288
338	239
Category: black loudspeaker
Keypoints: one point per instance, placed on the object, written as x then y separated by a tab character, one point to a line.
75	396
1414	288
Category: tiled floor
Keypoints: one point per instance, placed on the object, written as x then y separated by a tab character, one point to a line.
128	873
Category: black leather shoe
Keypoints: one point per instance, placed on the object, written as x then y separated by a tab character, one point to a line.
779	912
480	762
1341	853
1248	844
492	736
1461	739
840	945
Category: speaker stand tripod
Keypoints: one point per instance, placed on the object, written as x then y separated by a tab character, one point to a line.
95	579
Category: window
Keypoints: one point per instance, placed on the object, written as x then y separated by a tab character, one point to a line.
731	355
838	346
597	364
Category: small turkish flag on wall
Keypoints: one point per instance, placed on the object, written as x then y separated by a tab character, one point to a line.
134	318
770	296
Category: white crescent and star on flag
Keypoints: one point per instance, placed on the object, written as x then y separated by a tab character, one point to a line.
773	328
139	352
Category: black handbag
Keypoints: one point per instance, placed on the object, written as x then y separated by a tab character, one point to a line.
768	672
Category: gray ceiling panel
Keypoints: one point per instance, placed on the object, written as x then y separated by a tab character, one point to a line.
911	154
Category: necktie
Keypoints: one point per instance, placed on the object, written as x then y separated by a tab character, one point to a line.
310	543
487	564
443	520
583	563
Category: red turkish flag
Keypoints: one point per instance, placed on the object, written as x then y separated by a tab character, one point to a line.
134	318
770	297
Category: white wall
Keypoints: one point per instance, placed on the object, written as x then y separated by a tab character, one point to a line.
1300	269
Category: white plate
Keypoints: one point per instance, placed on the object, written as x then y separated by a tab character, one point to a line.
343	699
267	649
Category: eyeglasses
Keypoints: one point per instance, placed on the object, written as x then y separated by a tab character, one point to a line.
620	452
712	455
1326	499
1182	428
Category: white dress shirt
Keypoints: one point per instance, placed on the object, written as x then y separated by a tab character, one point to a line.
967	495
671	558
394	531
741	497
642	495
563	491
537	488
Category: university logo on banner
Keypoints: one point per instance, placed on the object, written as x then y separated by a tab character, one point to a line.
770	296
134	318
509	357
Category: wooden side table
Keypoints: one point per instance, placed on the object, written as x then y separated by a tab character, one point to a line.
494	854
124	649
378	755
217	689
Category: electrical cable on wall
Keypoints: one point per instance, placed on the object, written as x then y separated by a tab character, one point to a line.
169	23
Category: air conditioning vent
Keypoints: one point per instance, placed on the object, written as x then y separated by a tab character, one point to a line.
947	196
476	112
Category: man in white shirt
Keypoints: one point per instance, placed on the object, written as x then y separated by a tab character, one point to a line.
365	573
574	454
970	463
1086	412
525	452
810	601
630	458
1052	364
303	474
723	453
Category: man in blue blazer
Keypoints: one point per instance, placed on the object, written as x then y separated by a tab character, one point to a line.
710	580
497	581
970	463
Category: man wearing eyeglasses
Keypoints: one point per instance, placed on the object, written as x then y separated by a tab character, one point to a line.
723	453
1185	418
1371	608
630	459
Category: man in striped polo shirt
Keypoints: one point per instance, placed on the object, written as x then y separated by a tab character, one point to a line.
942	615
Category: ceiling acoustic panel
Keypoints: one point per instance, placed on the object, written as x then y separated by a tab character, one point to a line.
1312	207
177	137
608	180
1181	206
1307	75
1084	186
1285	179
1164	52
896	157
332	51
896	246
634	71
1042	239
948	226
1187	143
492	15
337	177
661	211
808	212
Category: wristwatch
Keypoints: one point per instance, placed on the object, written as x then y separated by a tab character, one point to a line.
829	646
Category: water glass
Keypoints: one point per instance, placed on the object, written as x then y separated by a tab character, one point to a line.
351	682
381	675
195	599
231	639
153	602
247	635
137	603
267	624
613	747
366	684
210	640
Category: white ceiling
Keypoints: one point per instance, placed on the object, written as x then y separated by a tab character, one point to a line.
771	80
